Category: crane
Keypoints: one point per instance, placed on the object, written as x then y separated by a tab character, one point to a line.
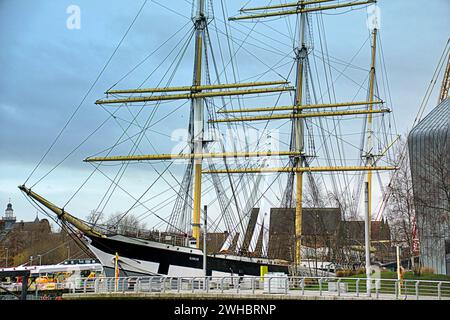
445	83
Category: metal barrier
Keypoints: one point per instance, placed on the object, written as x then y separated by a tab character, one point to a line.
274	285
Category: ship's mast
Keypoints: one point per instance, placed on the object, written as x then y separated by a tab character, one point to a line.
302	8
370	158
300	56
197	92
198	106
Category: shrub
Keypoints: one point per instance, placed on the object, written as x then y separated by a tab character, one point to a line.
426	270
344	273
311	282
416	271
360	271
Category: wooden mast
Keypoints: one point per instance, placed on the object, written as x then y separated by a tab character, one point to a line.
196	94
299	128
370	159
198	106
297	114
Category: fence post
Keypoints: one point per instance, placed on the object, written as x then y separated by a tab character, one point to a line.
417	290
439	290
320	286
192	284
150	287
287	285
303	286
270	278
406	289
339	287
96	285
377	288
164	285
221	284
84	285
396	289
253	285
357	287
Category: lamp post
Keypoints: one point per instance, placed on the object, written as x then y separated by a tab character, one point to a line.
40	259
204	239
31	261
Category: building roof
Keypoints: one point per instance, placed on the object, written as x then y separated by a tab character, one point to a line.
436	122
41	226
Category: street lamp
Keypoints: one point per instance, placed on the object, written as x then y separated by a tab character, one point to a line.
31	261
40	259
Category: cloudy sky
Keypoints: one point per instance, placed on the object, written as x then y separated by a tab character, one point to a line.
47	68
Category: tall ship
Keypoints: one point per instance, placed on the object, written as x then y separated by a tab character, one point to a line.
257	154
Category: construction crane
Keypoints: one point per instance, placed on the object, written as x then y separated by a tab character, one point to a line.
445	83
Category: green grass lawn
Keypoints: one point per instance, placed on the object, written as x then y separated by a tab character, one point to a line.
409	276
388	287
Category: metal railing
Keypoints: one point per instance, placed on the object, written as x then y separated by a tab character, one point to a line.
296	286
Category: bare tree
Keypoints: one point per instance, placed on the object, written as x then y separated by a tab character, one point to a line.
126	224
420	195
95	217
401	212
431	180
434	174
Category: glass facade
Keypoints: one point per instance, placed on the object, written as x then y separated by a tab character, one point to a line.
429	152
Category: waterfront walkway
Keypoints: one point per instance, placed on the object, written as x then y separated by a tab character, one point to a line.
256	288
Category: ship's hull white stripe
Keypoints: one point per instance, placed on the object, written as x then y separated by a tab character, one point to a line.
149	258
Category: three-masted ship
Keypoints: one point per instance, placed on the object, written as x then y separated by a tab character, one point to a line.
148	257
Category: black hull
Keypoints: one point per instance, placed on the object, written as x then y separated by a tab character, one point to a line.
166	256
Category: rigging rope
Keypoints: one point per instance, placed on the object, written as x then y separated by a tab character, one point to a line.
87	93
419	115
120	173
